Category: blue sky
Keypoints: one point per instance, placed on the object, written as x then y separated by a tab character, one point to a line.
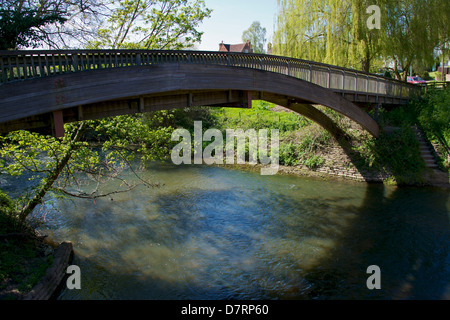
231	17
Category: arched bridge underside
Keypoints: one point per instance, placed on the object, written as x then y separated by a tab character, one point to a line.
33	103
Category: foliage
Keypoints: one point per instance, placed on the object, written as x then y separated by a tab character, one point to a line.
330	31
69	165
143	24
304	146
82	18
149	24
256	34
336	32
148	135
398	152
434	115
412	28
288	154
260	117
22	263
21	28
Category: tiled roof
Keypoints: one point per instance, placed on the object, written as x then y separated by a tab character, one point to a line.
241	47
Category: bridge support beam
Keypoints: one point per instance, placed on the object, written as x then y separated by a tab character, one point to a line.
311	113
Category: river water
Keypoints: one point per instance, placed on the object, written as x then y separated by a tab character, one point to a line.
216	233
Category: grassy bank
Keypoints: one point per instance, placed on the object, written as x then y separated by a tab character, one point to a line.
24	258
305	145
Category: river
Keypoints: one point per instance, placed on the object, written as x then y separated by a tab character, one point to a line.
215	233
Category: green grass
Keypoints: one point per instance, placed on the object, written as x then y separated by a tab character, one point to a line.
260	116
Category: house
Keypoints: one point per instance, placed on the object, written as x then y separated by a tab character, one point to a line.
242	47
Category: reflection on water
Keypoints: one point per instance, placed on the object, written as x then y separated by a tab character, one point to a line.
213	233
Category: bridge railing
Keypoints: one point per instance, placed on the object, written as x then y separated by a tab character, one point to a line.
19	65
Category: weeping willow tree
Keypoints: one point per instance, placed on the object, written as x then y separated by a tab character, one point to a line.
328	31
337	32
414	29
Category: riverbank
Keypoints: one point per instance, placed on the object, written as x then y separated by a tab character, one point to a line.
306	149
32	267
431	177
24	259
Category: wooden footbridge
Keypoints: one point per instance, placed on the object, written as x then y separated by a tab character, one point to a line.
45	89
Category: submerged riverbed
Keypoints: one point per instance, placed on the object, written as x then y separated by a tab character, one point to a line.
215	233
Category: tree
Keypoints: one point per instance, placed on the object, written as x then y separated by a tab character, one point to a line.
411	33
151	24
442	29
70	166
81	17
256	34
329	31
366	43
315	30
21	29
336	32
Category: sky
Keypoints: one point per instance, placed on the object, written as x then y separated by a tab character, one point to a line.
230	18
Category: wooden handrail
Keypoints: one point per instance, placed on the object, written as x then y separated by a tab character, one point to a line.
26	64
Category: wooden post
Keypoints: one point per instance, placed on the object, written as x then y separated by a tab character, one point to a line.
367	88
329	78
378	84
138	59
75	62
58	123
33	67
310	73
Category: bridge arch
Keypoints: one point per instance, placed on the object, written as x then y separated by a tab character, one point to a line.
166	86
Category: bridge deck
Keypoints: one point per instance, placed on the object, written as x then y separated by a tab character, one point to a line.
354	85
